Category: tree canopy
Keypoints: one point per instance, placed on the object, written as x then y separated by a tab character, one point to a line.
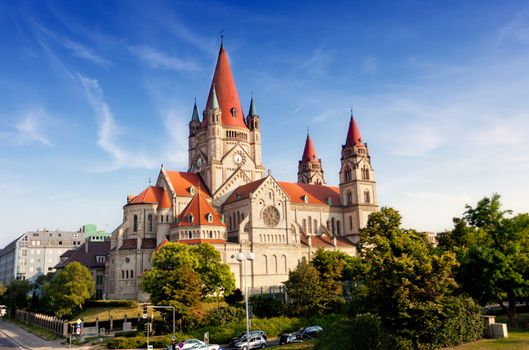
68	289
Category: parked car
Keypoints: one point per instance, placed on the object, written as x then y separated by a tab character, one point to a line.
304	333
256	342
194	344
242	336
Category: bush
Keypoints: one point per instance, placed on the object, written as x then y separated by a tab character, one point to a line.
265	306
223	315
234	298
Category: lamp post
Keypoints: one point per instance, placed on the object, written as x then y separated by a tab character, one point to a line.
243	257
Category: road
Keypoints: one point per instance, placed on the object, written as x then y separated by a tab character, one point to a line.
7	343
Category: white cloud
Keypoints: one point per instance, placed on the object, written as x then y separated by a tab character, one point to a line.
177	129
109	131
517	29
29	126
159	59
317	63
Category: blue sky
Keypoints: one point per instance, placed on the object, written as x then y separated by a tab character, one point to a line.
95	95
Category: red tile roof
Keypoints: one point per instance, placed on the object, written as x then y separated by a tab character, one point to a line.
316	194
152	195
182	182
164	242
243	192
353	134
129	244
226	91
148	243
202	240
309	153
198	210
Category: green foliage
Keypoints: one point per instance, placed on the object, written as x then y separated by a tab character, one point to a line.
223	315
68	289
15	295
234	297
304	289
216	276
409	283
493	252
265	306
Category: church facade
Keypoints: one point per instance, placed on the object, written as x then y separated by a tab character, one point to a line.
227	198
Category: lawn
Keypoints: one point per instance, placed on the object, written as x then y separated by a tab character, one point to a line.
90	314
518	340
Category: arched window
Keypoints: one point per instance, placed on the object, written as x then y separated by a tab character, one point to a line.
284	264
135	226
265	264
351	223
310	224
210	234
347	173
127	274
161	218
190	218
131	273
190	235
332	225
338	227
149	222
349	198
210	217
315	226
304	225
122	274
306	199
274	268
367	197
229	222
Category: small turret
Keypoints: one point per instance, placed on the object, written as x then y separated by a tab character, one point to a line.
310	170
194	124
253	117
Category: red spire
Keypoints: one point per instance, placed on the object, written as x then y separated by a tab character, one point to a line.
353	135
226	93
309	153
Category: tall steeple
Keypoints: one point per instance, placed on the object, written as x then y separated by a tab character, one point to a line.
226	93
195	117
310	170
357	182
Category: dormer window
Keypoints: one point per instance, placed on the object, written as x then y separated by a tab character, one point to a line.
192	190
329	200
190	218
233	112
222	218
305	199
210	217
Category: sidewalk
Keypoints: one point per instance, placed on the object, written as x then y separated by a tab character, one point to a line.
30	341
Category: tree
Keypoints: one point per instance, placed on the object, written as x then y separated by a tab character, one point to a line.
408	281
493	251
16	295
304	289
181	275
68	289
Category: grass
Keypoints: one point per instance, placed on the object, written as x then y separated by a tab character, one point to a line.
518	340
41	332
90	314
297	346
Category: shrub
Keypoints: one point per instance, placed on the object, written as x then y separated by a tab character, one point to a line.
234	298
265	306
223	315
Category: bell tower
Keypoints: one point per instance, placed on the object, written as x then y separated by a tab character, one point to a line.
357	183
310	170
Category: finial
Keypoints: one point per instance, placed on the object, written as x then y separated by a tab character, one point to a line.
195	100
149	180
161	166
269	172
351	111
221	38
307	131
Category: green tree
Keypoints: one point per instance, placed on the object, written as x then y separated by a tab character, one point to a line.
68	289
215	275
305	291
493	251
407	281
3	290
16	295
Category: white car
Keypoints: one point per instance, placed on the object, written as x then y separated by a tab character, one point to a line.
194	344
256	342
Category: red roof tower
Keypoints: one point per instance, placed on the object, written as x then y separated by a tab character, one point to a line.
309	168
226	92
353	134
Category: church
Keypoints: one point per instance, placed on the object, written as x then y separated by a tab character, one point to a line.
228	199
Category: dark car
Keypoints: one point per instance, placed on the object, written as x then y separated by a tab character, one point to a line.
304	333
242	336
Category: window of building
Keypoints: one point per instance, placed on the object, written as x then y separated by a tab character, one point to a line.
122	274
190	218
60	242
135	224
127	274
190	235
127	260
100	259
306	199
210	217
351	223
367	197
349	198
167	218
310	225
149	222
332	226
192	190
131	273
347	173
161	218
315	226
305	225
338	227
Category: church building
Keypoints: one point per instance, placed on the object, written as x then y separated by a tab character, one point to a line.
227	198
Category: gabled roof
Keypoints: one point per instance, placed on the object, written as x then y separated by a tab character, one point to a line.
353	134
196	213
309	153
324	241
87	256
226	93
129	244
316	194
152	195
243	192
202	240
182	182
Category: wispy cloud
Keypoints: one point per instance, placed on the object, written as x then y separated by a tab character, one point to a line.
158	59
317	63
29	128
75	48
109	131
517	28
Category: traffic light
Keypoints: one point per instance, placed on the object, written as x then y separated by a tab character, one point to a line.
144	310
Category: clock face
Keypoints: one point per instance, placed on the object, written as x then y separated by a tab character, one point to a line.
238	158
199	162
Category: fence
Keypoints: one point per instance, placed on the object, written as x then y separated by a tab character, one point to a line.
50	323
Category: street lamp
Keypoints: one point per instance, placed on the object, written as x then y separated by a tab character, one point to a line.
243	257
